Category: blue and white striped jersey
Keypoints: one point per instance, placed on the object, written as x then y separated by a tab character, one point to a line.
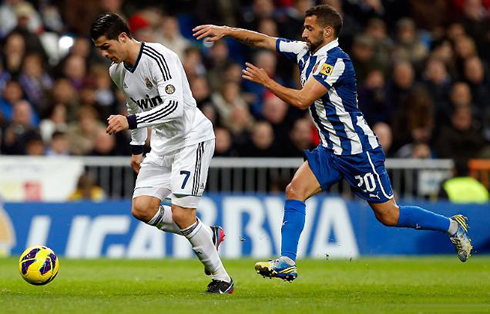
341	125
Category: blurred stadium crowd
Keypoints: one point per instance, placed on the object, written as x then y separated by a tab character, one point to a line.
422	70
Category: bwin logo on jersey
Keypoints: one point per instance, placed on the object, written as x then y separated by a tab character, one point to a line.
148	102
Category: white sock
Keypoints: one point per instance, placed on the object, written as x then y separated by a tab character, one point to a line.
163	220
200	237
453	227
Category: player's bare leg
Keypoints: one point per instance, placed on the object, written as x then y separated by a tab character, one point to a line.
200	237
302	187
392	215
149	210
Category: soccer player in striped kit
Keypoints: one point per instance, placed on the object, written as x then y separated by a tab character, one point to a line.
349	149
158	96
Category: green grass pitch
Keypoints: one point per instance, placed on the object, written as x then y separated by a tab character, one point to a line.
367	285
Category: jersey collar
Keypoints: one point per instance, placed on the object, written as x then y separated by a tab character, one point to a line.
131	69
334	43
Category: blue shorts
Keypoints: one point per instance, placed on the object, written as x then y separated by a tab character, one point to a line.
365	172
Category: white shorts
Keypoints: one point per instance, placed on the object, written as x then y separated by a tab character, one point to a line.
183	174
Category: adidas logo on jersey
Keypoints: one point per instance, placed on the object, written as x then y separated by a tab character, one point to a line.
124	85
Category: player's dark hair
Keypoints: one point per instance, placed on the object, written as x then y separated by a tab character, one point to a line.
327	16
109	25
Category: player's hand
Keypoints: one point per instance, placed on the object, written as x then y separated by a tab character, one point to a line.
136	162
212	32
116	123
255	74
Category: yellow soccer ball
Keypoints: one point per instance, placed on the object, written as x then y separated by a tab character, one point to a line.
38	265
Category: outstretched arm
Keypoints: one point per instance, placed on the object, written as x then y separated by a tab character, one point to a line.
250	38
300	98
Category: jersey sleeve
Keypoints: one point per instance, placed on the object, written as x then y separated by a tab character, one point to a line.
292	50
138	136
329	71
166	74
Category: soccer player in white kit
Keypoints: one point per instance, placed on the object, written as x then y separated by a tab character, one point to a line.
158	96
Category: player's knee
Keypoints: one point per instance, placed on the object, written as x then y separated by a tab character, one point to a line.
388	218
141	211
293	193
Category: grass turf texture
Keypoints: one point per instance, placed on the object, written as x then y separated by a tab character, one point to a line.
373	285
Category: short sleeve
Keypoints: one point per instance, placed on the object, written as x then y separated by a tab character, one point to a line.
329	71
292	50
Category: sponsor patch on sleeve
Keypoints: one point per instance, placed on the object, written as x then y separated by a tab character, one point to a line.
326	69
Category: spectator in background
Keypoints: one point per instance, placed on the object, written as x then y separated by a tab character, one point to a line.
290	20
476	22
10	10
35	81
25	13
464	48
193	64
168	34
266	60
261	143
103	93
460	97
11	94
363	57
104	144
275	111
461	140
75	70
224	144
385	137
408	46
373	99
260	9
87	190
232	109
82	134
438	83
299	139
443	50
201	91
14	51
474	72
17	132
34	144
402	84
56	122
64	93
382	43
414	123
216	63
58	145
268	26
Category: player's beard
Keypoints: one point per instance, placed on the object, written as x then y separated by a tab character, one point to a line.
313	45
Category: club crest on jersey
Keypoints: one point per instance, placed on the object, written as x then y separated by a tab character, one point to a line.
148	83
326	69
169	89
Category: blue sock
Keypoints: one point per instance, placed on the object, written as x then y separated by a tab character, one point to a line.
292	226
419	218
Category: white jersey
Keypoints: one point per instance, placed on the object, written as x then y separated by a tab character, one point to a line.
159	96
